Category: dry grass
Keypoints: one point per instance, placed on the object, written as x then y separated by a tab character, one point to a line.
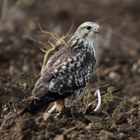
54	45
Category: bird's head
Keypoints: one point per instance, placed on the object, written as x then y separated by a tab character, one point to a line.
88	30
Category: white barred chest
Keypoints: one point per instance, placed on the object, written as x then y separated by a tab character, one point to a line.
75	71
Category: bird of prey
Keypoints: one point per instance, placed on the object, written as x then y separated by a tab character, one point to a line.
67	72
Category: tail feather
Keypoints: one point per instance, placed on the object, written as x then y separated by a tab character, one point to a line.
36	105
43	102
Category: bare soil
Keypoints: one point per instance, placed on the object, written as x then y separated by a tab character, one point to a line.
119	66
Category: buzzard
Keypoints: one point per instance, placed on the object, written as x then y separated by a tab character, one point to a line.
67	72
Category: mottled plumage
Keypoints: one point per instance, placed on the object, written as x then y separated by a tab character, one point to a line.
68	70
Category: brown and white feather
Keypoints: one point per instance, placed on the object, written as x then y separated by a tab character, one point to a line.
68	71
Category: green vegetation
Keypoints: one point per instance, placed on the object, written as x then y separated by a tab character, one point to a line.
25	81
108	96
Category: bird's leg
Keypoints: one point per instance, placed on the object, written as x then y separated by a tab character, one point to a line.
59	106
52	109
48	113
62	110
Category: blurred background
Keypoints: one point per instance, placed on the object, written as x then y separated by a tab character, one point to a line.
118	45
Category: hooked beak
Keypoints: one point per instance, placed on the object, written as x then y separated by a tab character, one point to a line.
96	32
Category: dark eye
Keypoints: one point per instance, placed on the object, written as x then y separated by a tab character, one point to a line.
88	27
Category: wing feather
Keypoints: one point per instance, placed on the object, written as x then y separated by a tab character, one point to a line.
66	71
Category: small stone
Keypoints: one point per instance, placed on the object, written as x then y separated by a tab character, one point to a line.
25	68
89	126
132	138
1	40
59	137
114	76
113	127
104	135
136	66
121	136
40	137
28	3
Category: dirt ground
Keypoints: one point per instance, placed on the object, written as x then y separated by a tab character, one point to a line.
118	73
